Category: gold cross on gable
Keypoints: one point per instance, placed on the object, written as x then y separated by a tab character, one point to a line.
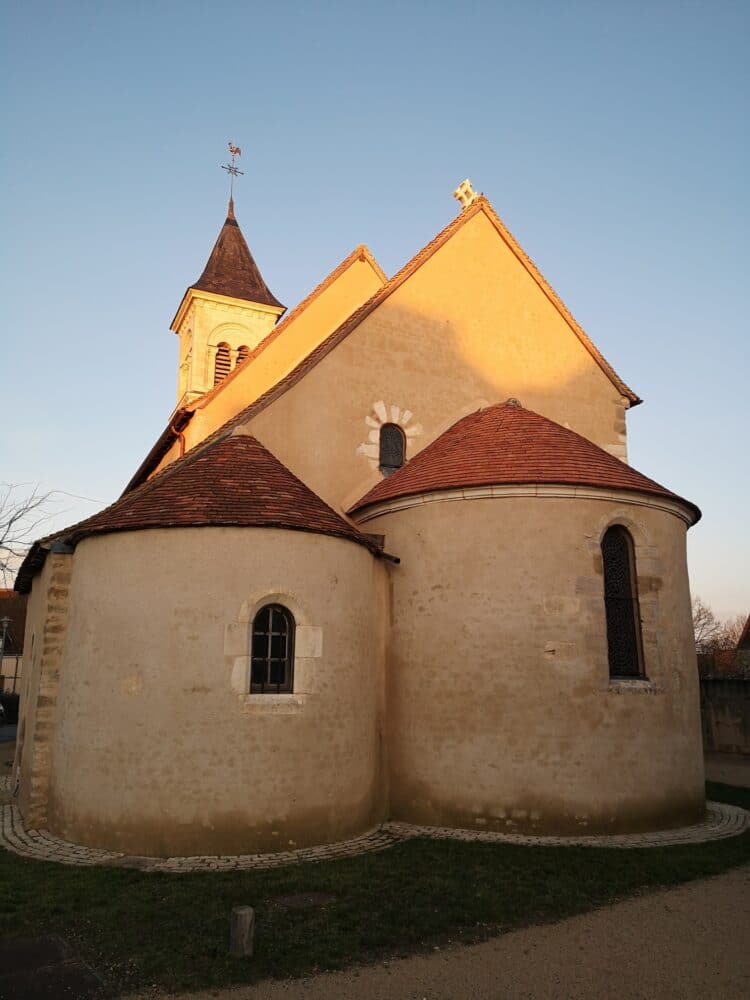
232	169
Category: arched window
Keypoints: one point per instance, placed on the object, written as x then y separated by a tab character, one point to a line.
392	448
621	603
222	363
242	353
272	650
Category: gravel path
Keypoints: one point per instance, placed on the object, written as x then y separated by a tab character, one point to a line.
690	943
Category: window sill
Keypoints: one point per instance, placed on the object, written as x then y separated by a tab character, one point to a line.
633	685
274	704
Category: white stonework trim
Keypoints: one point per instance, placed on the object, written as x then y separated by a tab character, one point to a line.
387	413
308	647
228	302
542	490
274	704
633	685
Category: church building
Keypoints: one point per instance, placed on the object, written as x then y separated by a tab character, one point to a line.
386	560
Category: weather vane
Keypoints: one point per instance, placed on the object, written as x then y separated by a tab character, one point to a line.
232	169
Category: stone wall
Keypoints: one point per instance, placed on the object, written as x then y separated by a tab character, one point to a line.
160	747
44	643
501	711
725	712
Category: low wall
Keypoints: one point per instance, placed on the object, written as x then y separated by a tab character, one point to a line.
725	714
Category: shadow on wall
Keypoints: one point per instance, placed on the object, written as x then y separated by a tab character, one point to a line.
725	714
436	371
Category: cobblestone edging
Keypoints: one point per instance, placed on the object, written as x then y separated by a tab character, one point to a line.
721	821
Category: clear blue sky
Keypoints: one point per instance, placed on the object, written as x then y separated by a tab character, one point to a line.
611	137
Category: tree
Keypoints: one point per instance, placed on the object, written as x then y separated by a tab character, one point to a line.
730	632
22	510
706	626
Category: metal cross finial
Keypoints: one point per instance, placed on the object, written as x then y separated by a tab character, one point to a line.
231	169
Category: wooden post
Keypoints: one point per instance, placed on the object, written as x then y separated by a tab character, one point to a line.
241	931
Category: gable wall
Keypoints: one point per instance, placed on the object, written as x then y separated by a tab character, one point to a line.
469	328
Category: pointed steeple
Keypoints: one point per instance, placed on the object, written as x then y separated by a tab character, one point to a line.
223	315
231	269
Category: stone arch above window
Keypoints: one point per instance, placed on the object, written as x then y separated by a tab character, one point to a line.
624	643
381	415
222	363
392	446
272	650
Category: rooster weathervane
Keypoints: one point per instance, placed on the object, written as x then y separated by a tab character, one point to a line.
232	169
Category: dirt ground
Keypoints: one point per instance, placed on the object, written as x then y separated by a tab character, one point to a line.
690	943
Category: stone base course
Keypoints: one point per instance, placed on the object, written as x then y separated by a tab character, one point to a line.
721	821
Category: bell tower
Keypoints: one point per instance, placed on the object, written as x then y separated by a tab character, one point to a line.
223	315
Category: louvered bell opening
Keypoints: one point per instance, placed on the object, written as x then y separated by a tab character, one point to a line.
222	363
242	353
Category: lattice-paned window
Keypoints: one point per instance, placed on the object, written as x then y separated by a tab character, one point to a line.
242	353
272	654
621	604
222	363
392	448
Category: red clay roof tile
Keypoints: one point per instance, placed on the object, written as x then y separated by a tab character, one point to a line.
507	444
233	482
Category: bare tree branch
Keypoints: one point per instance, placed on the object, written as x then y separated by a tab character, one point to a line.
706	626
23	508
730	632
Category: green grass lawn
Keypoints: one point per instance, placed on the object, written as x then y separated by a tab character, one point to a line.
140	928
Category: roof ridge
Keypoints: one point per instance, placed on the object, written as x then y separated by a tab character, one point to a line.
360	252
355	318
480	204
187	411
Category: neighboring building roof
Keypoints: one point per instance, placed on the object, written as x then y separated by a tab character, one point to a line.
13	606
744	642
507	444
231	269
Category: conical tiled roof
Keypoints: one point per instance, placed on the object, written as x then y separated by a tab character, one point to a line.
235	482
231	269
507	444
